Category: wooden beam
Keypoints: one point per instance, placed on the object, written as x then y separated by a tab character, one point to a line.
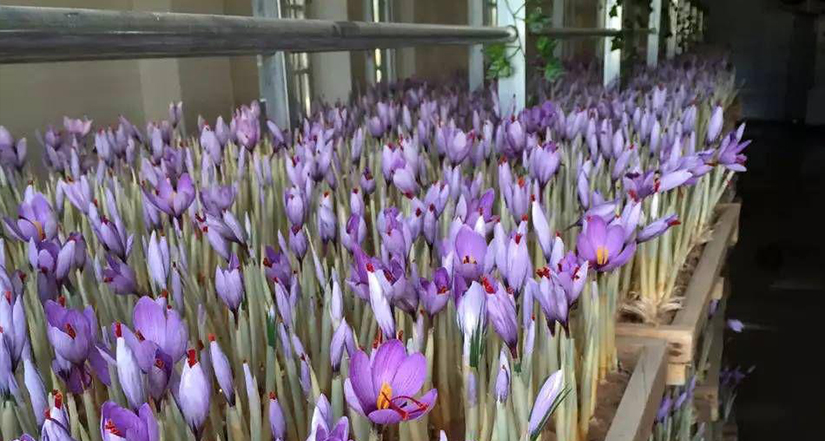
636	413
683	334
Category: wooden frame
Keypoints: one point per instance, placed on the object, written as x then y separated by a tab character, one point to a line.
636	413
683	333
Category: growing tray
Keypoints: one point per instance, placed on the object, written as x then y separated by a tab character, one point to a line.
684	333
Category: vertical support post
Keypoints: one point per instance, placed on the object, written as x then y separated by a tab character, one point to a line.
701	26
681	37
654	22
369	68
612	58
558	22
673	13
272	71
512	90
475	68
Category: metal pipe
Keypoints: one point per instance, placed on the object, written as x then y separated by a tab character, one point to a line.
34	34
588	32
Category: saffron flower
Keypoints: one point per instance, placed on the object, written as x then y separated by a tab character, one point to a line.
383	388
117	423
604	247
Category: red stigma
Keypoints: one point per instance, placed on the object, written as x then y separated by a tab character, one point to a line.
58	399
675	222
370	267
118	330
192	357
70	331
110	427
62	300
518	238
159	363
418	212
521	181
272	396
211	337
488	286
139	336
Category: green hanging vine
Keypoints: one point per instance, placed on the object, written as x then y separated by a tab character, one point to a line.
548	64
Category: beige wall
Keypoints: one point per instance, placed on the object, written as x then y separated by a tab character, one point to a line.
33	96
331	73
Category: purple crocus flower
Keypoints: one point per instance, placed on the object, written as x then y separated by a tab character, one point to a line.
12	316
470	253
664	409
367	182
501	312
379	301
382	388
78	192
502	390
35	219
111	232
247	128
322	420
736	325
544	162
295	205
518	259
217	198
326	218
604	247
277	423
119	276
117	423
222	370
162	326
435	295
12	154
157	259
354	232
297	242
132	380
657	228
729	153
276	266
551	394
70	331
172	200
715	124
229	284
193	393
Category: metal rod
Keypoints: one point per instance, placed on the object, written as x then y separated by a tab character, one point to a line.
34	34
589	32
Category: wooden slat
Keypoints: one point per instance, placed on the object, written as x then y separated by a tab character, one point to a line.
637	411
683	334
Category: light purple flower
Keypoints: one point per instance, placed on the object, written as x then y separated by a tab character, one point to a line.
193	393
161	325
383	388
132	380
735	325
35	219
12	154
119	276
229	284
657	228
501	312
435	295
502	390
222	370
277	423
172	200
217	198
117	423
326	218
69	331
604	247
551	394
470	253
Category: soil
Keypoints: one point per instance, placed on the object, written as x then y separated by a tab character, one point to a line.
610	394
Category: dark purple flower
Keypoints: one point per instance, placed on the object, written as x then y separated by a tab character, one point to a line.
117	423
35	219
276	266
354	232
383	389
172	200
367	182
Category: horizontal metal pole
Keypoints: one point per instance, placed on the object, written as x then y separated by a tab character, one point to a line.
589	32
34	34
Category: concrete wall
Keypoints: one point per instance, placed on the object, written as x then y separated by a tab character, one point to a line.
331	72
